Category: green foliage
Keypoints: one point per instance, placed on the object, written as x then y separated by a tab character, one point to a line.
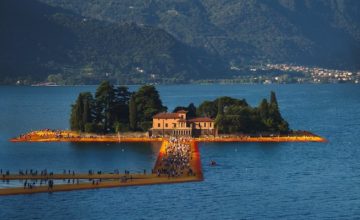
146	125
213	108
236	116
133	113
273	99
191	110
207	109
178	108
117	126
105	103
92	127
243	31
271	116
105	112
115	109
69	49
82	112
148	103
264	109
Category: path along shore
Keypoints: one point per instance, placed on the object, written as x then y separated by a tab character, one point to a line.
70	136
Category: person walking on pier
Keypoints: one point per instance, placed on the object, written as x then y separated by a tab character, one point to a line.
50	185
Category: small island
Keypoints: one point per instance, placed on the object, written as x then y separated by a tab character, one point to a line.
115	110
115	114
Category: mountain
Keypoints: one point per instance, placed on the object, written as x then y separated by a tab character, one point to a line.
309	32
40	42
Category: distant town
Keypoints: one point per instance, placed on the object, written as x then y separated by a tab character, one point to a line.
257	74
319	75
285	74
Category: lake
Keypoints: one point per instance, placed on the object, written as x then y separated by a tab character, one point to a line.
252	181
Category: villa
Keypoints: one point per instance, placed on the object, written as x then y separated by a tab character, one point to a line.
177	124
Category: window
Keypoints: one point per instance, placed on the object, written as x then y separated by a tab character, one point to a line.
210	124
158	125
166	125
174	125
204	124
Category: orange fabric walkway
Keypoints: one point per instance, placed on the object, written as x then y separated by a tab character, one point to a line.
119	180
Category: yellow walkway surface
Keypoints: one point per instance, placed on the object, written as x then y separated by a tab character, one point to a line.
70	136
95	181
119	182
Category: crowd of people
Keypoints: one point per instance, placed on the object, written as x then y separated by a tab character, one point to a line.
47	133
176	161
33	183
46	178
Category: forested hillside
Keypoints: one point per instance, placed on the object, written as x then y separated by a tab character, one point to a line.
42	43
310	32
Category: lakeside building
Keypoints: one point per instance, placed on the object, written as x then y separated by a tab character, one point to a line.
177	124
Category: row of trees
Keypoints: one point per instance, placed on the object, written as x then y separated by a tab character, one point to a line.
115	109
236	116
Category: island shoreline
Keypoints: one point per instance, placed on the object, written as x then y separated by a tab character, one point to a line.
71	136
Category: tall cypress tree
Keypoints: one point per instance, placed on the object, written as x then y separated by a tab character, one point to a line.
74	118
273	100
264	109
121	105
105	99
132	113
88	109
81	112
191	110
220	107
279	124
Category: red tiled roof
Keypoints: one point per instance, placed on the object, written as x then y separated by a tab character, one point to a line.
165	115
204	119
181	111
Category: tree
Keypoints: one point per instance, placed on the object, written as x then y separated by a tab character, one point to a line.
82	112
278	123
208	109
264	109
132	113
235	115
178	108
220	107
148	103
121	105
74	118
273	100
191	110
105	100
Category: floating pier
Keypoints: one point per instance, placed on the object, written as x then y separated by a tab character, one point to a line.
95	181
70	136
107	180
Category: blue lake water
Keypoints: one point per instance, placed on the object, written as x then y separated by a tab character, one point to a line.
253	181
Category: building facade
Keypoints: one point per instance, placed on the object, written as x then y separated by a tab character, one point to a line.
177	124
